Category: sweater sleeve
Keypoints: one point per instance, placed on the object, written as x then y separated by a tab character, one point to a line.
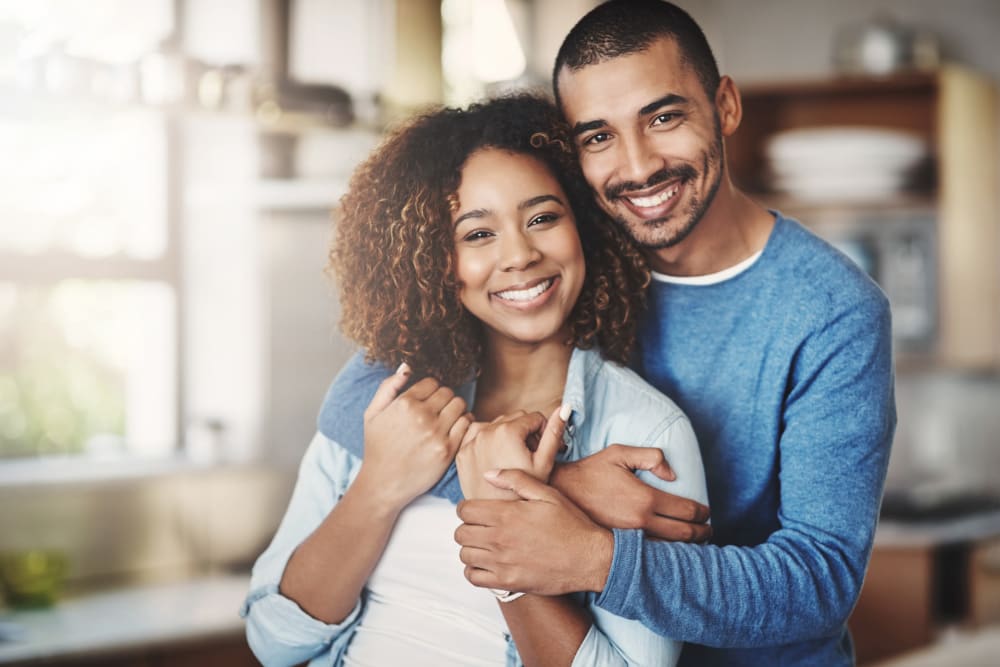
838	418
342	415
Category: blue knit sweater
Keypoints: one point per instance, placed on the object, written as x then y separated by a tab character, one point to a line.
785	371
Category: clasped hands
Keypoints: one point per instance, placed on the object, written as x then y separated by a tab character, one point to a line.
527	525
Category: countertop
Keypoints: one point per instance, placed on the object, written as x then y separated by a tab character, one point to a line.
971	528
133	617
968	649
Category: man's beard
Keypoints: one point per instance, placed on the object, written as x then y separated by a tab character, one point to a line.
686	174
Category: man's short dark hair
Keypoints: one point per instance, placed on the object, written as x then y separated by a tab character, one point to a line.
623	27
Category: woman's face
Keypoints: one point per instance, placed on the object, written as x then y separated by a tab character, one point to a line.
519	262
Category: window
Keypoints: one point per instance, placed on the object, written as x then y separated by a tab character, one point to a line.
88	259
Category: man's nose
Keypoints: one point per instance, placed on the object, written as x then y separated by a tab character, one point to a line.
518	251
639	161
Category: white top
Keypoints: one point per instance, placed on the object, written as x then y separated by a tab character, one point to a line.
711	278
418	588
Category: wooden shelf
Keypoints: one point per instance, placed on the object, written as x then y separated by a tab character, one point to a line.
956	113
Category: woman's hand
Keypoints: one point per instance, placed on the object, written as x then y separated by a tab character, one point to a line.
503	444
410	438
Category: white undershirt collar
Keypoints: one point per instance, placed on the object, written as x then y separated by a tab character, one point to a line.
711	278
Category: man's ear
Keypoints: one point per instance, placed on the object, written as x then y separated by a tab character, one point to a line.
728	105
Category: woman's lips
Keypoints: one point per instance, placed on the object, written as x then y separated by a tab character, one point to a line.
531	295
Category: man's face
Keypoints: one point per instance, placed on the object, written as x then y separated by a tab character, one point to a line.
649	141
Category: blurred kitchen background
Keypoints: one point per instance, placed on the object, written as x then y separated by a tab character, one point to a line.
168	174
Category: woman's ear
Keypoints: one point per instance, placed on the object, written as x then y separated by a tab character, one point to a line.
728	106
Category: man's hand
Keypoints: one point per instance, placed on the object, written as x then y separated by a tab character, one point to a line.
503	444
604	485
541	543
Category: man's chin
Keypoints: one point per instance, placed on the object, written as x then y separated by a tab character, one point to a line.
654	234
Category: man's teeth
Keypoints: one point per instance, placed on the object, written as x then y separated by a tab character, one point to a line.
525	294
655	200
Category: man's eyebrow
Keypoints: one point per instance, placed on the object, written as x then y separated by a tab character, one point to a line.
475	213
664	101
580	128
535	201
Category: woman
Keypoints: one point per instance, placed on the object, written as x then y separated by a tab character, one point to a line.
468	250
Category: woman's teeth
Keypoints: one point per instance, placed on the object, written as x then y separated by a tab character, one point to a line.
525	294
655	200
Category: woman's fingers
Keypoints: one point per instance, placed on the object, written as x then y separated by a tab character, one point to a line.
389	389
550	442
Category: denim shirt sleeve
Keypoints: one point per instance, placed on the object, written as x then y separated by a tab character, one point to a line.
278	631
342	416
612	639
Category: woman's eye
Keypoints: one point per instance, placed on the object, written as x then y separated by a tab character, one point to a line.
542	219
477	235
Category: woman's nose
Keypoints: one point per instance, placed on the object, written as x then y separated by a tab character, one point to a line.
518	251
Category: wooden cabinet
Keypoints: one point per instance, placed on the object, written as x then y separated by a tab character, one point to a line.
954	204
914	591
219	652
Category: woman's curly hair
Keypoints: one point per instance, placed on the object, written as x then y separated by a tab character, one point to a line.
393	253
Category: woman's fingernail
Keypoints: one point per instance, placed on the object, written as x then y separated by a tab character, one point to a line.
565	411
404	369
491	474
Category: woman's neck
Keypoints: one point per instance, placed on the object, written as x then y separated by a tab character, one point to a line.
521	377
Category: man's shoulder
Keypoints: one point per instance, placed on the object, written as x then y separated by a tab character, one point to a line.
349	394
816	273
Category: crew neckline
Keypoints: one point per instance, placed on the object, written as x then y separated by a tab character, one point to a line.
710	278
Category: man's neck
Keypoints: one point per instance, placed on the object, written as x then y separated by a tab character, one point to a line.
733	228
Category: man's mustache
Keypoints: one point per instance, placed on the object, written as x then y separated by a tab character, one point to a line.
684	172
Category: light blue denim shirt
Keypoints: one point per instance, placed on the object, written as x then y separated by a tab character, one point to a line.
610	404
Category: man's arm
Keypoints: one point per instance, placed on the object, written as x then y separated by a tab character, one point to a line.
603	485
800	584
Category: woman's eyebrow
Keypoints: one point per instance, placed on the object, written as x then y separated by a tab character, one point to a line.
475	213
535	201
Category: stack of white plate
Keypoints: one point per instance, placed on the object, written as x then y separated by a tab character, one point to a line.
843	163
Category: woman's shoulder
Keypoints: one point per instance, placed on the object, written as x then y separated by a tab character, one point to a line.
617	395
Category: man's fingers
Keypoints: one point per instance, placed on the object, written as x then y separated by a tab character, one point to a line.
481	578
521	483
672	530
389	389
646	458
482	512
551	441
680	509
469	535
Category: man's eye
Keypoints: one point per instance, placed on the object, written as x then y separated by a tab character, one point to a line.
598	138
664	118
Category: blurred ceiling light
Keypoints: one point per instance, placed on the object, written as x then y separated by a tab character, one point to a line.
498	55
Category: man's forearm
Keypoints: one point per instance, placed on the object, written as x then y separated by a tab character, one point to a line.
784	591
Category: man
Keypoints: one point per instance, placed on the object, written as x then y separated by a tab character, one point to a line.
775	345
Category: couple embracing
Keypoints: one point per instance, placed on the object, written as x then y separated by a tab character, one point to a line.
580	334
